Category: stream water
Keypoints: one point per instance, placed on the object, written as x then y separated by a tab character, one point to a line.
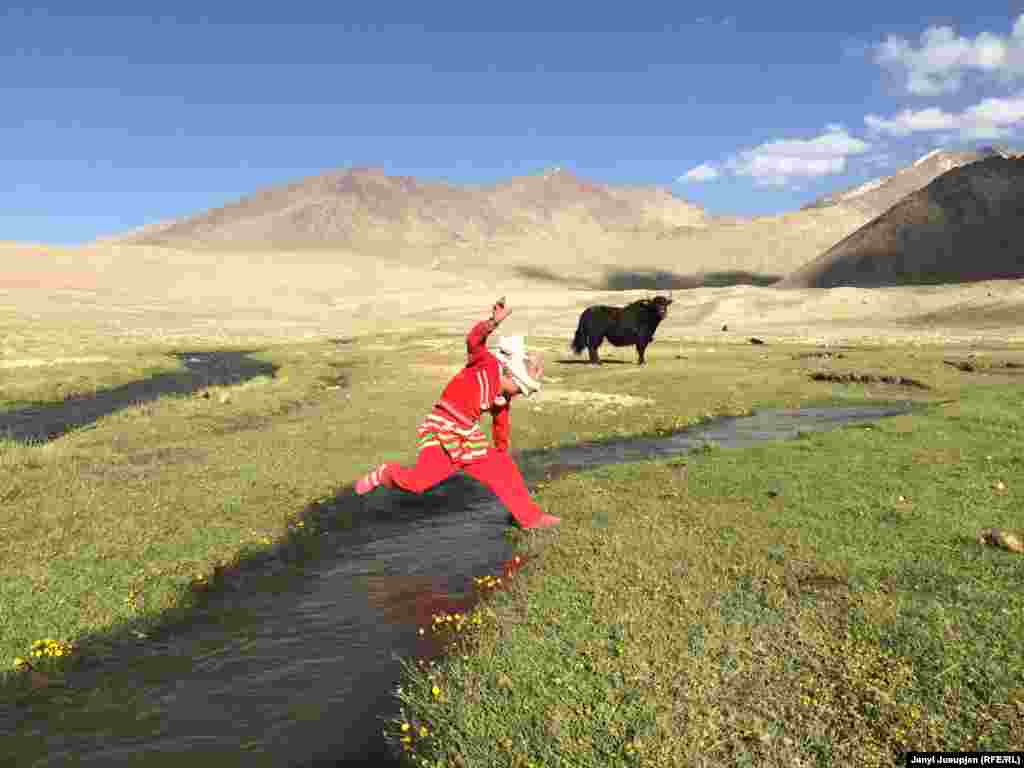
303	674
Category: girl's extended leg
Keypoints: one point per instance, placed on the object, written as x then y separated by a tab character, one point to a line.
432	467
499	473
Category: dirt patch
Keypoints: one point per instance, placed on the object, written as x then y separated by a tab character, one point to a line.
1006	368
997	537
439	371
867	378
820	583
819	356
380	348
49	280
35	362
578	397
143	464
962	365
555	471
441	344
970	367
245	422
338	380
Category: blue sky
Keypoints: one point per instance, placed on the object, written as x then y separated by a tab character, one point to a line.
124	116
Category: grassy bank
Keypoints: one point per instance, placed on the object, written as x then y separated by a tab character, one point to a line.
111	525
817	602
112	530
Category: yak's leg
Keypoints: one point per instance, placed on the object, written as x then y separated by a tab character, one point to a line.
592	346
640	347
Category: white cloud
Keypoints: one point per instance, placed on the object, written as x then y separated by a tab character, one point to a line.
703	172
777	162
907	122
992	118
939	63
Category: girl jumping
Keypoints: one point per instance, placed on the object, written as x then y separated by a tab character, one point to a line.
450	438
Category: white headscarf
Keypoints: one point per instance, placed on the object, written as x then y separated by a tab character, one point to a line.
512	353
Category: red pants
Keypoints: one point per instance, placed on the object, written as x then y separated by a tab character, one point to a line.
496	470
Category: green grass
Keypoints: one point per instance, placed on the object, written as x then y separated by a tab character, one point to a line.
772	606
642	614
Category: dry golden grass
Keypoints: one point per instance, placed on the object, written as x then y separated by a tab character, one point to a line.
137	295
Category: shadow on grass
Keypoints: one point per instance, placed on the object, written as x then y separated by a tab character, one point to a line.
651	279
47	421
586	361
658	280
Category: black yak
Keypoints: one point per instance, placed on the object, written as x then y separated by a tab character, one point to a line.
633	324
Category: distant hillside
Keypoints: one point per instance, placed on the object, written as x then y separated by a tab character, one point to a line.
364	205
877	196
964	226
134	235
763	245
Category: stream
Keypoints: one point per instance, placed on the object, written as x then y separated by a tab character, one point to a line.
303	674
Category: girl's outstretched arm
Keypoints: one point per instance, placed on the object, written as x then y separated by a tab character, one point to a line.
478	334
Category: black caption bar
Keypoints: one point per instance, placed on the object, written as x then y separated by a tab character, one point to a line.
924	759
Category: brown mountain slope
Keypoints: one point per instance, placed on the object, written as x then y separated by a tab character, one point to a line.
879	195
966	225
363	205
765	245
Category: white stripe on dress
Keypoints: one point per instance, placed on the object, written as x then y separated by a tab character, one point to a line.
449	425
485	389
443	428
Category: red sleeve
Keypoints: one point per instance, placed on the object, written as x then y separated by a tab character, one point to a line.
475	341
502	424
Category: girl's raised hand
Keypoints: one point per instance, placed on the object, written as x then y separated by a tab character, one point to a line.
500	312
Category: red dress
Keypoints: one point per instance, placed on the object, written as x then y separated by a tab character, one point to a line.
450	437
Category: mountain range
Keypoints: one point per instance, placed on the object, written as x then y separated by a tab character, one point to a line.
357	206
879	195
964	226
951	216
